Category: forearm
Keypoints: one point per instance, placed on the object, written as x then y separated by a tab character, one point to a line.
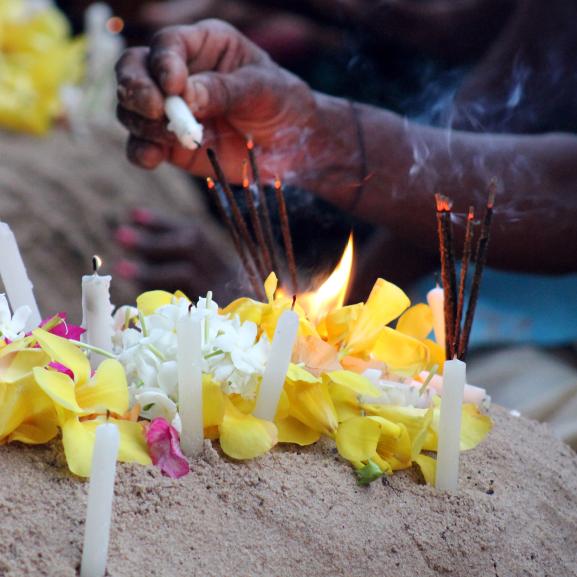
535	224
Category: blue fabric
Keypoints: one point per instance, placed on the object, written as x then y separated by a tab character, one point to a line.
521	308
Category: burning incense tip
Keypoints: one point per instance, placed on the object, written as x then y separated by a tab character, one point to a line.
210	182
444	203
471	213
277	183
245	180
492	193
250	143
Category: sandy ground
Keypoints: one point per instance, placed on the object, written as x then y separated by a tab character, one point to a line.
298	512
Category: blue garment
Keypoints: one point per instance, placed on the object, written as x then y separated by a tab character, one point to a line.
521	308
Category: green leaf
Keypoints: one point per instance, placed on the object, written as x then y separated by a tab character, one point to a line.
369	473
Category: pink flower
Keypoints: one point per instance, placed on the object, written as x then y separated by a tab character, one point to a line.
164	447
62	328
61	369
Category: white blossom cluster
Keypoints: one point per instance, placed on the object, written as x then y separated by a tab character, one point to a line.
12	326
232	353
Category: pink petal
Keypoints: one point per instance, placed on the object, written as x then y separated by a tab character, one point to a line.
164	446
61	369
65	330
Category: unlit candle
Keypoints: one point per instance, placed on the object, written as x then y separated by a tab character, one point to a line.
183	123
448	447
277	366
100	494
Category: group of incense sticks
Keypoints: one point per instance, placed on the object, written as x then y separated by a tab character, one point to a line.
257	249
457	329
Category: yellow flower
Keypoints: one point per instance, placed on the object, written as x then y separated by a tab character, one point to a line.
149	302
75	398
244	436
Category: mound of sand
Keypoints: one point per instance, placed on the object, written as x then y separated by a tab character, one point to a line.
298	512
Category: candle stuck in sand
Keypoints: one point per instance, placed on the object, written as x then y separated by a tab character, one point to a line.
277	366
448	446
18	287
100	494
189	343
97	312
183	123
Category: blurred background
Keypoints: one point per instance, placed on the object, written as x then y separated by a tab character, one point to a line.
499	66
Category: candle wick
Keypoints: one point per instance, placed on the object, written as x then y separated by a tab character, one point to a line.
107	415
294	302
96	263
190	308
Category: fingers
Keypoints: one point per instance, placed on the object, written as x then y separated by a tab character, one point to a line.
152	221
210	45
137	91
170	277
144	153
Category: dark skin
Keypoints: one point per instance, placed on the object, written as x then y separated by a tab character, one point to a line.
235	89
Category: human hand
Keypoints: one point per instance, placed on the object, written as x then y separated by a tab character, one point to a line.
235	90
178	254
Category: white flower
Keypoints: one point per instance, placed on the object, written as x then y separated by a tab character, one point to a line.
396	393
232	352
13	326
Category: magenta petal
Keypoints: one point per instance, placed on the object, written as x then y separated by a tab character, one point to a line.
164	447
61	369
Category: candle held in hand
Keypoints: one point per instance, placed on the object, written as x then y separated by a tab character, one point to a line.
99	509
14	277
97	312
448	448
189	345
183	123
436	300
277	366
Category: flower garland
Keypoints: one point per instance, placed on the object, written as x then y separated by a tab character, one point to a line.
354	378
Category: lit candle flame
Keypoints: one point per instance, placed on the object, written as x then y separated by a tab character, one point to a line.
96	263
332	293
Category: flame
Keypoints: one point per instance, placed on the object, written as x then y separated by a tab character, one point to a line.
444	203
333	291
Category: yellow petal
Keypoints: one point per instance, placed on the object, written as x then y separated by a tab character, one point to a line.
270	286
246	310
26	413
296	373
385	303
395	448
346	388
416	322
416	421
78	439
403	355
436	355
149	302
107	391
245	436
59	387
428	467
17	365
291	430
212	402
337	323
312	405
357	438
64	352
283	408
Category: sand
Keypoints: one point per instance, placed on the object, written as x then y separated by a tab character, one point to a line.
298	512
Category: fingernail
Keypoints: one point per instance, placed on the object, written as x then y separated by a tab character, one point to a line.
199	94
126	236
142	216
126	269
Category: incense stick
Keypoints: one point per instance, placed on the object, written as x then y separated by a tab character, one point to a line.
256	286
466	259
481	252
286	234
263	205
237	216
448	273
256	222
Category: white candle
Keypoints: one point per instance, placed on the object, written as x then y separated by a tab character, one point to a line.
472	394
436	300
99	509
277	366
182	122
454	377
18	287
189	343
97	312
